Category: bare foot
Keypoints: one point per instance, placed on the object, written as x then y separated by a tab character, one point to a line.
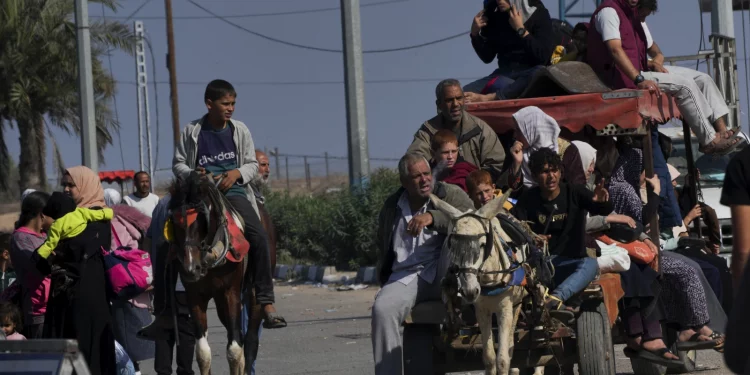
269	308
654	345
472	97
633	342
688	333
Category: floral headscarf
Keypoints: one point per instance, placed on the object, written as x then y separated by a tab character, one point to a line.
624	185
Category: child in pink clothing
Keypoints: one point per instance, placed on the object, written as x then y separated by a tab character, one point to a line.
10	318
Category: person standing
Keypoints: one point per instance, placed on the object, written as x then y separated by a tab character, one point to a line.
35	287
142	198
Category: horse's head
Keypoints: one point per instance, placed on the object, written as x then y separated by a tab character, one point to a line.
470	241
195	219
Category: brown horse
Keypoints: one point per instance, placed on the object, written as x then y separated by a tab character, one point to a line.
199	214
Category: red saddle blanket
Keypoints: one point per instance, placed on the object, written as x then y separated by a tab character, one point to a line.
238	245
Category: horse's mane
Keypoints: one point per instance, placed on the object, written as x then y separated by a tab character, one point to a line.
190	191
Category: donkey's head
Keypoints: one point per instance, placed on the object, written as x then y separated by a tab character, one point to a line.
195	215
470	241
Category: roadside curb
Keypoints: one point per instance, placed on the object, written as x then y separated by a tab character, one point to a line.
324	274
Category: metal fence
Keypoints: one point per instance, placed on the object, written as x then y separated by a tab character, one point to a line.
300	173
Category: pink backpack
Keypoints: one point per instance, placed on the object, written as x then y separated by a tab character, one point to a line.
128	270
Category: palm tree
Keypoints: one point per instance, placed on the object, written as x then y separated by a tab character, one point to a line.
38	79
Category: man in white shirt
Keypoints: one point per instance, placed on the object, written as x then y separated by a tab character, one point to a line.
142	199
410	237
707	86
712	133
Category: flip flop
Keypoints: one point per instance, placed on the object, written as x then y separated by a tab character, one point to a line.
656	356
694	344
273	321
723	147
719	338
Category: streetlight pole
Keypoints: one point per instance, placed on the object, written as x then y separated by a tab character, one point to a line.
89	155
356	128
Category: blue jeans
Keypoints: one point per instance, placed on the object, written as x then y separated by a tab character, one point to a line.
572	275
510	83
245	322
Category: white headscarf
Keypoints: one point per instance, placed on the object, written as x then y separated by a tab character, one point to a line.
26	193
587	154
540	131
523	7
112	197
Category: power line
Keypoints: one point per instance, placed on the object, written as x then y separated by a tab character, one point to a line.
131	14
306	83
276	40
269	14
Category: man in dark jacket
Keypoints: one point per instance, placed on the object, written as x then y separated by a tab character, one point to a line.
411	233
520	34
477	142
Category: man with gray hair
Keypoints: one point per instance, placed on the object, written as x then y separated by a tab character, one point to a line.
477	142
411	233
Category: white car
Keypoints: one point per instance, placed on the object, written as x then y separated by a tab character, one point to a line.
712	169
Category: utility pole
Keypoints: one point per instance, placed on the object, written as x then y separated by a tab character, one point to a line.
356	129
172	74
144	114
89	155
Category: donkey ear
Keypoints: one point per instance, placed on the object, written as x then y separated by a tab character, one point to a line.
493	207
445	207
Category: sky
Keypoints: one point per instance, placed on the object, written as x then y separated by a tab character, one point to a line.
293	98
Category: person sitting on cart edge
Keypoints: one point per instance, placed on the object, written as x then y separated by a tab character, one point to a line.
617	50
520	34
447	165
477	142
410	237
220	146
557	210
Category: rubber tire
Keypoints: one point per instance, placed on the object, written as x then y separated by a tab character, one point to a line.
594	340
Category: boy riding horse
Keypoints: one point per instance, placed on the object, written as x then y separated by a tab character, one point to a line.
217	146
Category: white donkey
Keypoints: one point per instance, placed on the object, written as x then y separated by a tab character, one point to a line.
478	259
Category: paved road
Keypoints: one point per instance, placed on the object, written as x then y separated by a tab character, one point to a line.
329	333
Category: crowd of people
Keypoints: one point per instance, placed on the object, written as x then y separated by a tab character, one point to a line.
53	265
583	194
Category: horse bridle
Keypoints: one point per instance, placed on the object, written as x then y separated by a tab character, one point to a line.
202	208
488	246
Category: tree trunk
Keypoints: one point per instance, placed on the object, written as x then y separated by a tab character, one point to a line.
31	164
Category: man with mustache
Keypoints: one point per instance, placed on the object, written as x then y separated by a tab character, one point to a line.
477	142
410	237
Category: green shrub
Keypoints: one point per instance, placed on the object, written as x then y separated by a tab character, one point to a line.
335	228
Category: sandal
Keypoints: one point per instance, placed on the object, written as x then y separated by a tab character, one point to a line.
693	343
273	321
558	310
719	338
723	146
655	356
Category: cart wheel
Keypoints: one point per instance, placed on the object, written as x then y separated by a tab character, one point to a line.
596	354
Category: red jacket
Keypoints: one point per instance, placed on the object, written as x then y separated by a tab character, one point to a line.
458	174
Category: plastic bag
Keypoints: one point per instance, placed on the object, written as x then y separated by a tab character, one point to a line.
613	259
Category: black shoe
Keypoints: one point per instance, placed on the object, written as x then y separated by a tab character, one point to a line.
158	329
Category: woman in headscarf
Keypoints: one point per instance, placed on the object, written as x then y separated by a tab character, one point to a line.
684	295
127	227
535	130
78	306
520	34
